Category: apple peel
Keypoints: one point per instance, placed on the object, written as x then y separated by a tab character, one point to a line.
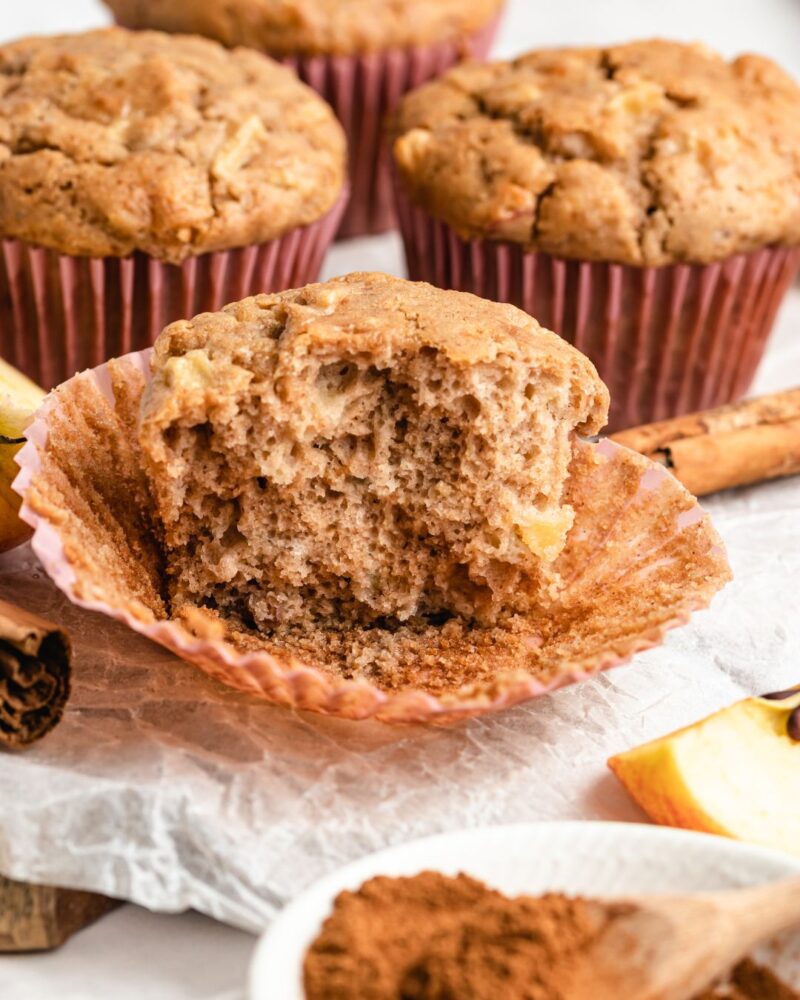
735	773
640	558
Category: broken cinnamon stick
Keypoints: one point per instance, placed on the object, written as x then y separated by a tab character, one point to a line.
34	676
730	446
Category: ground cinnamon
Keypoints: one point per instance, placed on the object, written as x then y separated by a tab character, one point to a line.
750	981
432	937
435	937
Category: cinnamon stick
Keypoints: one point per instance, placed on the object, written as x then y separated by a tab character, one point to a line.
34	676
733	445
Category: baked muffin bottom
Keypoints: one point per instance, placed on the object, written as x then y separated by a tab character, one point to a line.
639	559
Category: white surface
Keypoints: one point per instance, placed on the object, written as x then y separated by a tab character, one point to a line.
135	955
551	774
608	860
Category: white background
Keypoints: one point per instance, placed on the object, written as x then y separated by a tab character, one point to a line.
133	954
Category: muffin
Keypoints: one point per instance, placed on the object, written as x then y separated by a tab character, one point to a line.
369	498
145	177
641	200
361	55
363	451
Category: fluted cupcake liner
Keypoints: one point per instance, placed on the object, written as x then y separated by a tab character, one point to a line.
665	340
363	90
640	558
60	314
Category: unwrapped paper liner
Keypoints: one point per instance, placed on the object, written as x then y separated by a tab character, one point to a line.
363	90
640	558
60	314
665	340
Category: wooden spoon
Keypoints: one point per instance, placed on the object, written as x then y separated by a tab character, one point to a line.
674	947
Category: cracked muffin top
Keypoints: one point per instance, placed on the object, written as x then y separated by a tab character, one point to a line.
312	26
113	141
650	153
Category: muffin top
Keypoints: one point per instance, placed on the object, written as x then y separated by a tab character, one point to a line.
647	154
363	452
114	141
283	27
385	316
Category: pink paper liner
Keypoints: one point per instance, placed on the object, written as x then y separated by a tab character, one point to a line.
302	686
363	90
60	314
665	340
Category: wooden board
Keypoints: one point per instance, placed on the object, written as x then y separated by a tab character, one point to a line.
37	918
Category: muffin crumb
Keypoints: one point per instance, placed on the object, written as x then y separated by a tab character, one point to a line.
365	454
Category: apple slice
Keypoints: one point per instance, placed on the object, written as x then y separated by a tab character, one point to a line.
736	773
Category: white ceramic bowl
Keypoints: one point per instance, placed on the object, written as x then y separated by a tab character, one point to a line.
594	859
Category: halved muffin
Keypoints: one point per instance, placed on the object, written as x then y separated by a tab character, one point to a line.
350	498
365	452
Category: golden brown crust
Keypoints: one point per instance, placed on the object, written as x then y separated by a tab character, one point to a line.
112	142
646	154
312	26
386	314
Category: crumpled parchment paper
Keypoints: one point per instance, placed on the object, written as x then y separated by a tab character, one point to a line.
163	787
